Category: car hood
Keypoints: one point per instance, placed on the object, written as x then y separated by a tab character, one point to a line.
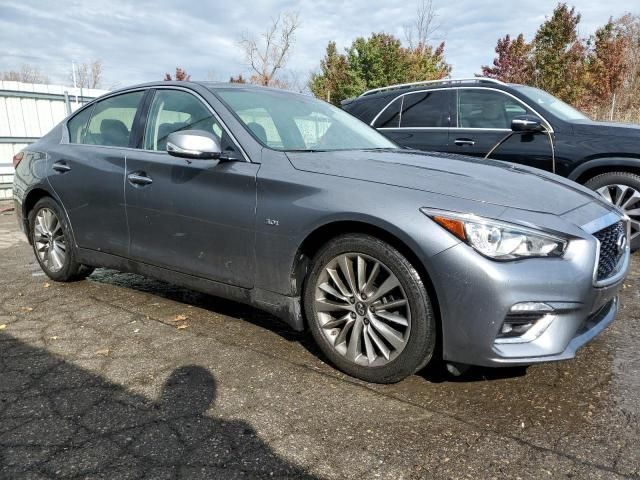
607	128
487	181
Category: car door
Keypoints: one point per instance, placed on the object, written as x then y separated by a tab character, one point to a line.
193	216
87	173
483	119
418	120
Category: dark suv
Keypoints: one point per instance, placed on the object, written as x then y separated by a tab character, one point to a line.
517	123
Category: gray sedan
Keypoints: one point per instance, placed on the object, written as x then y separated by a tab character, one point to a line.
390	257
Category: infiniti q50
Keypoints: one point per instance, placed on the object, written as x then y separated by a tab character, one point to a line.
390	257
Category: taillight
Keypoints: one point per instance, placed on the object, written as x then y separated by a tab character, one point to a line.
17	158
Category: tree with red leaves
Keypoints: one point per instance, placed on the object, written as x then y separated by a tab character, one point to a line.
181	76
512	63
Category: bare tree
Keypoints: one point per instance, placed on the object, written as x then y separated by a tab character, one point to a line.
87	75
269	55
27	74
418	33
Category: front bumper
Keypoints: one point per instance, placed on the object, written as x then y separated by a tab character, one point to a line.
475	295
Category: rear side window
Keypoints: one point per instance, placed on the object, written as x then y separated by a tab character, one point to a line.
487	109
390	116
78	125
112	120
425	109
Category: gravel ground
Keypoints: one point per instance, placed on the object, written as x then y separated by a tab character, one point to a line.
120	376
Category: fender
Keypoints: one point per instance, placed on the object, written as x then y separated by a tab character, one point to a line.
48	189
603	162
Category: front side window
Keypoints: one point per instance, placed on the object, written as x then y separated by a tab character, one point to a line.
487	109
425	109
78	125
176	110
287	121
112	120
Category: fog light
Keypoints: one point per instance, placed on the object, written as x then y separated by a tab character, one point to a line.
531	307
525	322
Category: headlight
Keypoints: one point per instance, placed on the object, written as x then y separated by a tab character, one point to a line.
499	240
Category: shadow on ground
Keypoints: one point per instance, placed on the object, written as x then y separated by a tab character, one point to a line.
59	420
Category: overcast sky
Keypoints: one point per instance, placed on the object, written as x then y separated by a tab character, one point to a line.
140	41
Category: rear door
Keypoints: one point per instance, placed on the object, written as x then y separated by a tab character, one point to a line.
483	118
193	216
418	120
88	172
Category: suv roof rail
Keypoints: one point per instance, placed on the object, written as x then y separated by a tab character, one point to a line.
433	82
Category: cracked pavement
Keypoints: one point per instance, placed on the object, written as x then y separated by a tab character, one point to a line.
121	376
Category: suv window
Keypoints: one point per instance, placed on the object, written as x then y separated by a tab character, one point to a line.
78	125
112	120
175	110
390	117
487	109
259	121
425	109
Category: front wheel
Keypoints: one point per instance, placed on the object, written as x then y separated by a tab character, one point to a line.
52	242
368	309
623	190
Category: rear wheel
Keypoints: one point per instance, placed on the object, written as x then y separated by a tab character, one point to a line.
52	244
623	190
368	309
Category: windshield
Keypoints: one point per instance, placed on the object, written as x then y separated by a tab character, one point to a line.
551	103
287	121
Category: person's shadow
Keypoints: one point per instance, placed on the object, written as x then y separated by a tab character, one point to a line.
57	420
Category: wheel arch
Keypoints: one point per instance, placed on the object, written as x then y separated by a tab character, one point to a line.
34	196
324	233
592	168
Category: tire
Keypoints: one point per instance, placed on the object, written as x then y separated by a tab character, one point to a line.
618	188
412	320
53	243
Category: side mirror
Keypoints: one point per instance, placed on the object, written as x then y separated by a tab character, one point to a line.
194	144
527	123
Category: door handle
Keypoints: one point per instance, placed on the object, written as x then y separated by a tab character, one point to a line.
464	141
61	166
139	178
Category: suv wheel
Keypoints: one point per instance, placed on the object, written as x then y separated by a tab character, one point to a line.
368	309
623	190
52	244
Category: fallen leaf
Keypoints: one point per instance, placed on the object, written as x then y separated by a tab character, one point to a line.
182	327
47	285
180	318
3	326
104	351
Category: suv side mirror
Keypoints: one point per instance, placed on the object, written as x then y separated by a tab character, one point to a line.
194	144
527	123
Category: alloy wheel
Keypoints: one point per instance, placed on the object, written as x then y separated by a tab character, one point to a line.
362	309
49	240
628	200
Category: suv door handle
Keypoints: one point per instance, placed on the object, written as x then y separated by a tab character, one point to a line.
139	178
61	166
464	141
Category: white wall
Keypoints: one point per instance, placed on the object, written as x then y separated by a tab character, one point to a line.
25	118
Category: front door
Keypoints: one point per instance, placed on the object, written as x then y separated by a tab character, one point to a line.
484	120
88	172
193	216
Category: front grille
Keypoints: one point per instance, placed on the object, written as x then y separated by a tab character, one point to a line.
610	251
